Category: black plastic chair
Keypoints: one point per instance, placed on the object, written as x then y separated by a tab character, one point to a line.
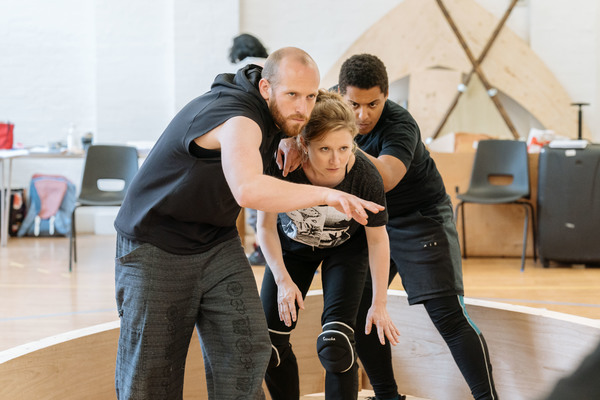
103	163
506	159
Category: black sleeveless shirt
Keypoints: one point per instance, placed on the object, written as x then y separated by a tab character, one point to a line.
179	200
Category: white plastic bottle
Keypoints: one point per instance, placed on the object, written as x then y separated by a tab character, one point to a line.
71	138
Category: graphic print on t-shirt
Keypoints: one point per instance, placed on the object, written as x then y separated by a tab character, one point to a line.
320	226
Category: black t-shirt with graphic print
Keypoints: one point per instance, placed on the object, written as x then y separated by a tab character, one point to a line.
324	226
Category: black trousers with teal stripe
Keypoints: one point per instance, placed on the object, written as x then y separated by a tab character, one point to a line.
425	251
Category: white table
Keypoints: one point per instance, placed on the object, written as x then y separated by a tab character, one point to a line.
6	159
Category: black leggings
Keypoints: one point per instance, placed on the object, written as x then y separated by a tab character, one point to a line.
343	274
464	339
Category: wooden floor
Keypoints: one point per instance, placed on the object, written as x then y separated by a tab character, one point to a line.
362	395
40	298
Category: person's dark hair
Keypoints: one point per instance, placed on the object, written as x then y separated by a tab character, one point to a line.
363	71
331	113
246	45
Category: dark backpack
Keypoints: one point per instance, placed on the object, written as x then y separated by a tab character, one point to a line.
50	208
17	212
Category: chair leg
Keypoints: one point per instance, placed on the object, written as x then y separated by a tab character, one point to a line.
526	225
528	208
74	245
72	242
464	230
533	231
459	206
71	251
529	212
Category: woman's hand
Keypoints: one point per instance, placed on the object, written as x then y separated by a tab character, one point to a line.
379	316
287	296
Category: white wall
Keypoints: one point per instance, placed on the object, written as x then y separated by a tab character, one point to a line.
565	36
203	30
325	29
122	69
117	69
47	67
134	74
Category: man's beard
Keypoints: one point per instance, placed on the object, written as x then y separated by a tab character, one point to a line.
286	124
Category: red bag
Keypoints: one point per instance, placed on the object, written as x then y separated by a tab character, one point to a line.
6	135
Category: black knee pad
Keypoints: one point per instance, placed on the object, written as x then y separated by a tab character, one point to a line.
280	348
335	347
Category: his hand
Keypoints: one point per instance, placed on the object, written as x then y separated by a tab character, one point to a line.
379	316
289	156
354	207
287	296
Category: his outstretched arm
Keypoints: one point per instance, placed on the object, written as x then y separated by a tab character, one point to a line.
239	140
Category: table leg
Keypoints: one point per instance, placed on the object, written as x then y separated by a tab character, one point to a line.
2	206
5	201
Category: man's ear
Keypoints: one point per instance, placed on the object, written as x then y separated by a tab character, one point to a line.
301	143
265	88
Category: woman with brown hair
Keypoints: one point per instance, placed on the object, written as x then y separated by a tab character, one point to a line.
296	243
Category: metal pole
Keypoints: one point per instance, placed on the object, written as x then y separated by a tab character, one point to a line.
580	118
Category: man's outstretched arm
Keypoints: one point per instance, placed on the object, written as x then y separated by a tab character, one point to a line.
239	140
